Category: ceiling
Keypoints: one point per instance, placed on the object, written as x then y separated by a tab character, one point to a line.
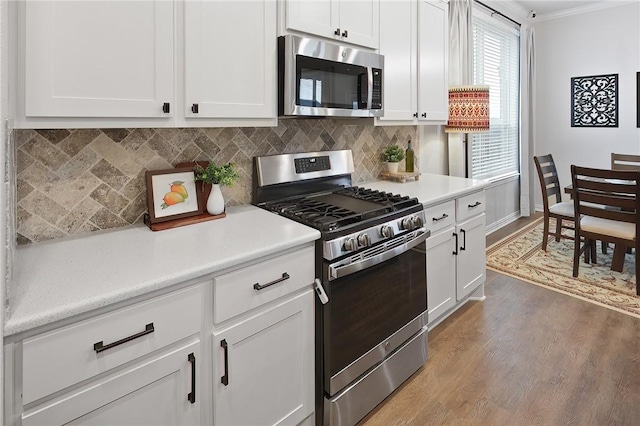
547	7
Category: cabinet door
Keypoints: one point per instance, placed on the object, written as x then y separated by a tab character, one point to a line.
360	22
319	17
398	44
230	59
99	58
263	367
433	63
155	392
471	262
441	273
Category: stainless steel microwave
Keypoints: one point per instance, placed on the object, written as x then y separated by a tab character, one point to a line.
319	78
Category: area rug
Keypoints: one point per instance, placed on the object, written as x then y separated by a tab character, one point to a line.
520	255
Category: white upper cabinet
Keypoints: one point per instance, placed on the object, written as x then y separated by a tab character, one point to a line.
414	42
144	63
398	44
351	21
99	58
433	60
230	59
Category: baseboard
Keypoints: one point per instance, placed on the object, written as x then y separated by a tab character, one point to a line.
503	222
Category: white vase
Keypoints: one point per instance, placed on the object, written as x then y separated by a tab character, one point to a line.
392	167
215	202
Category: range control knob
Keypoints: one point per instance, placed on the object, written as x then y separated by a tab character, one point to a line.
364	240
386	231
417	221
407	223
350	244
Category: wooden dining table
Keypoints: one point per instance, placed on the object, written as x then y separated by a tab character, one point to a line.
617	261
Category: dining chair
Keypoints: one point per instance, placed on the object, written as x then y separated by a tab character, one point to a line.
607	208
551	189
625	162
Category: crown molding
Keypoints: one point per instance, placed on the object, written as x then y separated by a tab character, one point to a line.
603	4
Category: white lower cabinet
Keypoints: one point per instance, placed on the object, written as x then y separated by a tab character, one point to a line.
160	391
456	258
263	366
471	258
441	273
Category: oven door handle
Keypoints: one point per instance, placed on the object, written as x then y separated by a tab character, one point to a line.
341	271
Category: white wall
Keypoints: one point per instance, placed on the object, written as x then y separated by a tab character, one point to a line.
433	150
605	41
4	251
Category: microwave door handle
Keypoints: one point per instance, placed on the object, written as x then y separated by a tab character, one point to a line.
341	271
369	87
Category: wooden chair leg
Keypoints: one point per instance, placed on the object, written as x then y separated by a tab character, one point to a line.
545	233
587	251
594	251
637	269
605	246
576	255
558	228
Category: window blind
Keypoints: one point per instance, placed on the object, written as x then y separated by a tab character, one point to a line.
496	64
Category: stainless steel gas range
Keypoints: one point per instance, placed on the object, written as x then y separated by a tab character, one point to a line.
371	310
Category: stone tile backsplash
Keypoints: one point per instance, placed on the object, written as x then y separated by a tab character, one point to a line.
83	180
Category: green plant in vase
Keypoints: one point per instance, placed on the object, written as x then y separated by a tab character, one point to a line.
216	175
392	155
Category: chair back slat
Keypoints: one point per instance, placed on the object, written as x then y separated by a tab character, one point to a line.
625	162
616	194
548	176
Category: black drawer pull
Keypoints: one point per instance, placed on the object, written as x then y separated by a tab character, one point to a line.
225	379
285	276
477	203
99	347
438	219
191	396
464	240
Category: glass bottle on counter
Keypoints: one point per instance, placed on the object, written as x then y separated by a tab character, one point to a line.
409	158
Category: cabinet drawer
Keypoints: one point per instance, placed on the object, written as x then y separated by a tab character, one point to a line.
470	205
55	360
240	291
440	216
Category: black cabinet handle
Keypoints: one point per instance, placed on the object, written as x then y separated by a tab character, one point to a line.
456	250
225	379
337	31
194	108
438	219
476	204
285	276
345	34
415	114
99	347
166	107
464	240
424	115
191	396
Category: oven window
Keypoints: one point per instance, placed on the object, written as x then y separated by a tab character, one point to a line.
328	84
368	306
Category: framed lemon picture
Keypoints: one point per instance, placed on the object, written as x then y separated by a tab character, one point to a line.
171	194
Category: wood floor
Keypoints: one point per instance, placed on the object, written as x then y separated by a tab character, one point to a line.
524	356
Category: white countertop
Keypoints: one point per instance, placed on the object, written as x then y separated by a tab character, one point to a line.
430	189
58	279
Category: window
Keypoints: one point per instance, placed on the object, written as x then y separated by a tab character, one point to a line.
496	55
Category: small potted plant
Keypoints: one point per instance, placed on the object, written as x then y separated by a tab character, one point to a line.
392	155
216	175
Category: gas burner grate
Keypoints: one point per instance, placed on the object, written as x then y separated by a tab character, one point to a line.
375	196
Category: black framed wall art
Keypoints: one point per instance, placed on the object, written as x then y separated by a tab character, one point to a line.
594	101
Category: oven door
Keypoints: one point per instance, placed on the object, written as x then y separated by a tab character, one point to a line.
377	301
